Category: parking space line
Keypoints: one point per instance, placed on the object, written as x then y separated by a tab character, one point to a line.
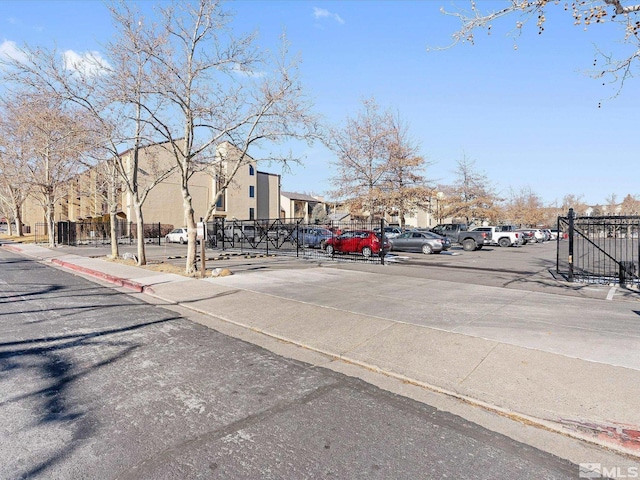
611	293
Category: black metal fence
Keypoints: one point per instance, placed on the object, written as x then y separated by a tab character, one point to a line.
99	232
297	238
603	250
292	237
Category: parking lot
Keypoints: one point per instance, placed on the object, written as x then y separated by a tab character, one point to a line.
529	267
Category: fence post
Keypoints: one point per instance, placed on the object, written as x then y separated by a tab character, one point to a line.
381	241
570	233
159	233
223	234
558	245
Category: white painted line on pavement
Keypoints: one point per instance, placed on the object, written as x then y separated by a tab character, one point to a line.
611	293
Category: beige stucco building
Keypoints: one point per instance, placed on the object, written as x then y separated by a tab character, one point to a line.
250	195
297	205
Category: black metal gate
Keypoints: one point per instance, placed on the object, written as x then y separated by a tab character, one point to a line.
290	236
603	250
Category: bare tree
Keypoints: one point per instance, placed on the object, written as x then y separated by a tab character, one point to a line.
112	93
524	207
630	205
405	185
106	186
57	142
362	147
472	196
380	168
14	185
129	86
584	13
574	201
213	87
612	204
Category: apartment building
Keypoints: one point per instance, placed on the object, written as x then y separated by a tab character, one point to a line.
250	195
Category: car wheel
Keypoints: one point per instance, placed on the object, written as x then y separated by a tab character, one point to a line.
426	249
366	251
322	244
329	249
469	245
181	241
166	240
504	242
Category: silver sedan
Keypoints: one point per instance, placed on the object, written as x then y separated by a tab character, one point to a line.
414	241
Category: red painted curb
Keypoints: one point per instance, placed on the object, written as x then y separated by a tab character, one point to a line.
122	282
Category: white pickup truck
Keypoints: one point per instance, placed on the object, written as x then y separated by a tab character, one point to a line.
502	235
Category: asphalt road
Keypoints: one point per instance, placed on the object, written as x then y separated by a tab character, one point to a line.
95	383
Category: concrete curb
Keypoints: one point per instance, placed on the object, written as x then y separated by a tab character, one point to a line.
621	439
121	282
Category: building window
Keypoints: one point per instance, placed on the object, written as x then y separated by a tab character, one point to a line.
252	191
251	170
252	214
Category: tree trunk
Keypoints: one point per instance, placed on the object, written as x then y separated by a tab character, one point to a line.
191	230
142	257
18	219
113	211
113	234
50	223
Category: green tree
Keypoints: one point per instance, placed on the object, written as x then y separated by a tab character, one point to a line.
319	214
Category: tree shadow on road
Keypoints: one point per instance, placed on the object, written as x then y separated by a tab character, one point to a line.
53	361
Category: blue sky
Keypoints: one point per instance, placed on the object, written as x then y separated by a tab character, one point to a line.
528	117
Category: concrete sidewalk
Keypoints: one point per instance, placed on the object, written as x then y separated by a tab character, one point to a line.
566	364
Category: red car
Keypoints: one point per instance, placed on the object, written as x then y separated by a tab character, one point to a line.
366	242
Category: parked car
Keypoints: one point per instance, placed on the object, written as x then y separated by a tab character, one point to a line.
458	233
177	235
527	235
540	235
555	234
419	241
313	236
366	242
240	232
446	241
389	232
500	235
